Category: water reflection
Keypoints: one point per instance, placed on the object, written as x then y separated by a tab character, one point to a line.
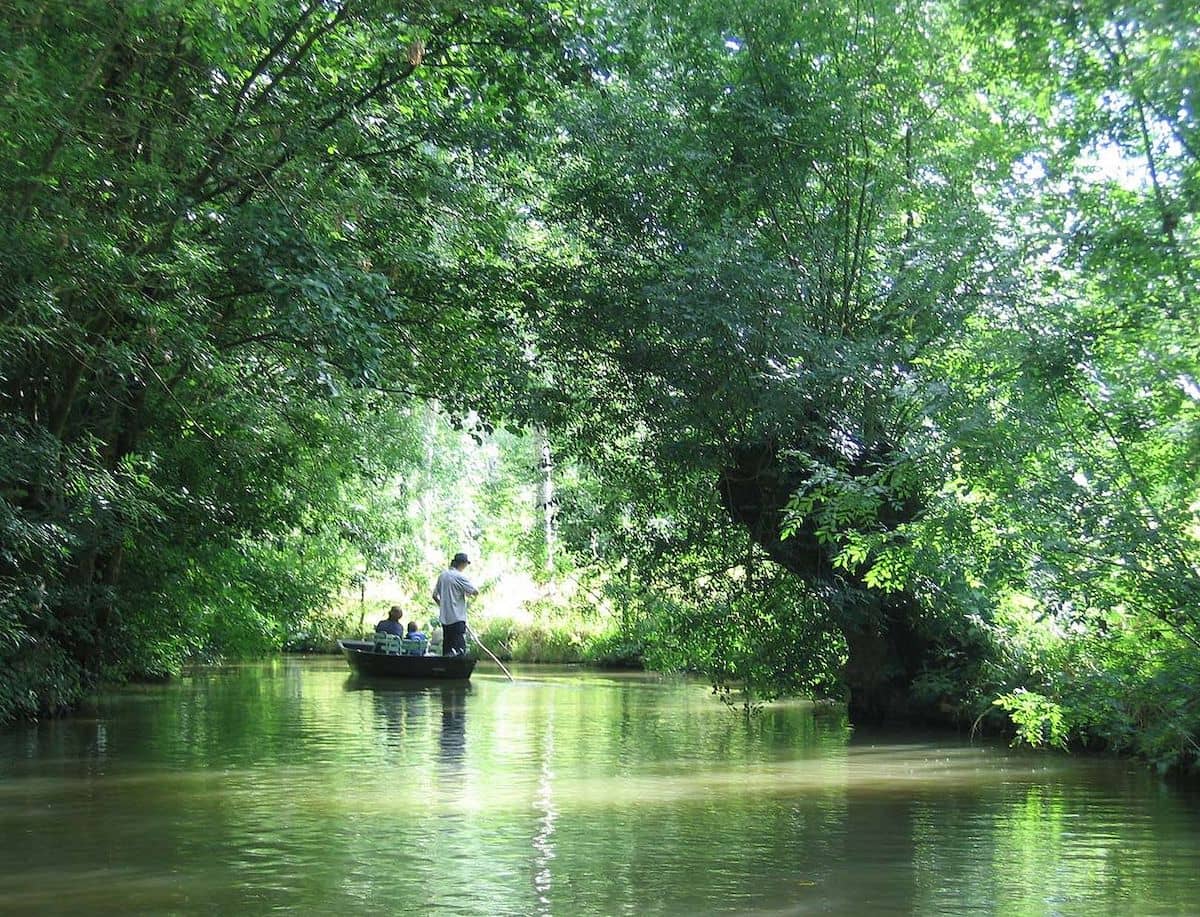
543	840
452	741
285	786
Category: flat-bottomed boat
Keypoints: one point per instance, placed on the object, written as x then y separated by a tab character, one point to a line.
365	660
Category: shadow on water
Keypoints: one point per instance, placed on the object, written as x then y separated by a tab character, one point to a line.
402	686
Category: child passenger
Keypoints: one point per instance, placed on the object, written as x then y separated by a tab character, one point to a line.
414	634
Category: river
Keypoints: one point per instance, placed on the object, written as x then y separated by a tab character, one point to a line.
290	786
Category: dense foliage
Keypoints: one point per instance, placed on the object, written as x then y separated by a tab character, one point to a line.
774	233
241	238
862	338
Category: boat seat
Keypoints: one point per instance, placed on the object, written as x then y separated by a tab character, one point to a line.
413	647
388	643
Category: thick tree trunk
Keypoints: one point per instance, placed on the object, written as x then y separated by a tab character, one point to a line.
886	657
888	649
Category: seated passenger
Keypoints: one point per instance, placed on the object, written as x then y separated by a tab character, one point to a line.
416	641
392	624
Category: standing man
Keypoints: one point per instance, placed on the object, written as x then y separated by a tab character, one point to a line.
450	593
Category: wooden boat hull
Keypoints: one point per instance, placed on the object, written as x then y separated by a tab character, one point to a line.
365	661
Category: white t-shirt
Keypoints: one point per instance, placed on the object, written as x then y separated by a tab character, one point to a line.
451	591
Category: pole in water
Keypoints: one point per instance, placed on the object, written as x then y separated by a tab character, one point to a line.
475	637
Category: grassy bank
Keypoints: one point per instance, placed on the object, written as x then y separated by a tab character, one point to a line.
559	642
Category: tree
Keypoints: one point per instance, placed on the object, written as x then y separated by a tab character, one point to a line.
233	235
1075	401
778	216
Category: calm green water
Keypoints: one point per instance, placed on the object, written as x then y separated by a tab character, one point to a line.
289	786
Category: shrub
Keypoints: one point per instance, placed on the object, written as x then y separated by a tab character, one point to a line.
617	650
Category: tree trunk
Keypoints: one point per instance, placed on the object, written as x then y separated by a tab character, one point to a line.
888	645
